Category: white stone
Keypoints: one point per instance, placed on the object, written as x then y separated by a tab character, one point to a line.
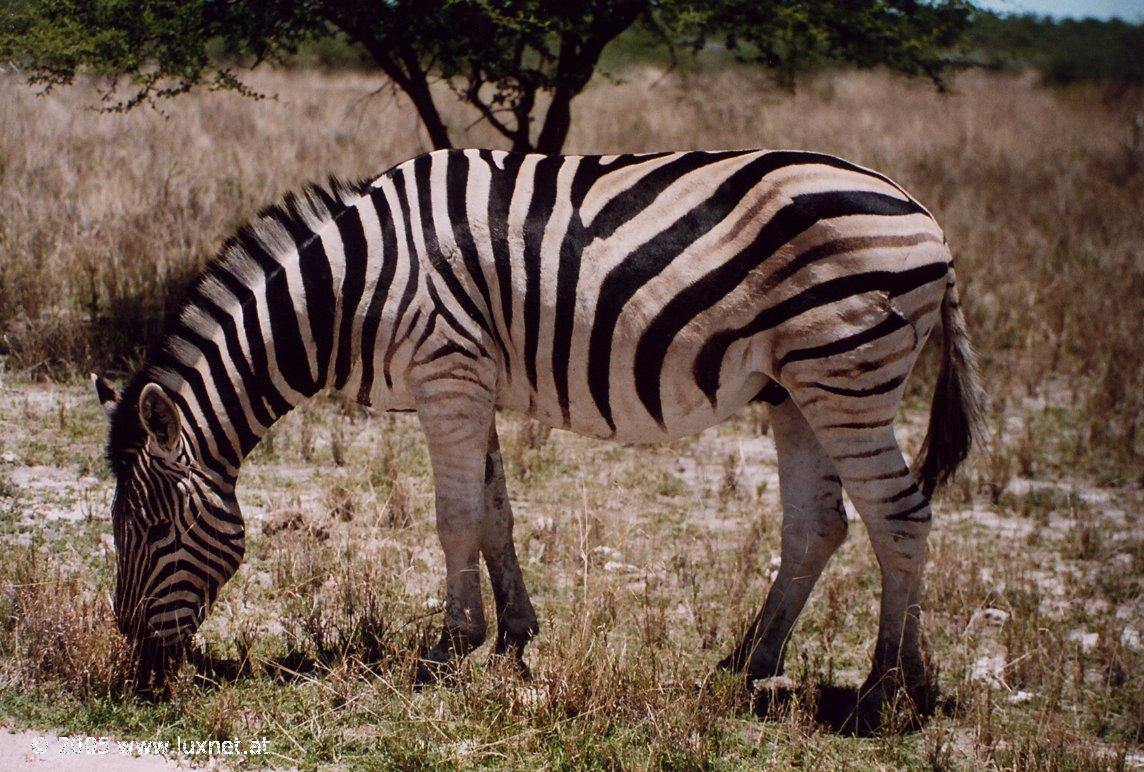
1086	639
995	615
989	670
607	553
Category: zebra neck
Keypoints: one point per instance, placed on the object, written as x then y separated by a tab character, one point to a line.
227	405
263	331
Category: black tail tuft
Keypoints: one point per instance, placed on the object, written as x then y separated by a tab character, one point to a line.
957	411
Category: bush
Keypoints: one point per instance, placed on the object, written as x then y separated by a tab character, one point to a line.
1067	51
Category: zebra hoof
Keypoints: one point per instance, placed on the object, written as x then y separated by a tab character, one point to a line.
891	708
432	667
752	672
425	675
429	672
511	663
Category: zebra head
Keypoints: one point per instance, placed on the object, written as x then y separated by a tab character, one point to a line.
178	530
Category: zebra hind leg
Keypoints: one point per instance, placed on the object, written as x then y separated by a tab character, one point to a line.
897	518
814	525
516	618
455	416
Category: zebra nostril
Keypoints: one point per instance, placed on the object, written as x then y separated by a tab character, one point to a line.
130	617
158	532
129	625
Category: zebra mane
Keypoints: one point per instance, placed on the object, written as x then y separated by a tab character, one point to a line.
277	230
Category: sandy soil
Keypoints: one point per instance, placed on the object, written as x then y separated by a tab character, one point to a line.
46	750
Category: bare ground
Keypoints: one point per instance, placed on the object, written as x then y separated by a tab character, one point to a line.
1034	604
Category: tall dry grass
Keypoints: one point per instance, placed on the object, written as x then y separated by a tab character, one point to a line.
642	579
104	217
645	565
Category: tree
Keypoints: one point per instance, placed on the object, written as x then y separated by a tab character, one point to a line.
500	56
1064	51
909	36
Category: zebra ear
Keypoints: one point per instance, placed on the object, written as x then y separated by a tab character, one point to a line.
159	416
107	394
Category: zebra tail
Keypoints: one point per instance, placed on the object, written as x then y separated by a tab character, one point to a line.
958	409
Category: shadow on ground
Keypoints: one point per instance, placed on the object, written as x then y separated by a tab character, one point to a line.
835	707
832	706
291	667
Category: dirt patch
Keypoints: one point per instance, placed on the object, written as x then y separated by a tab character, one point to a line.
33	749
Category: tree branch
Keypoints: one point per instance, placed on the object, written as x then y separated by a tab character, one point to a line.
400	64
472	96
574	70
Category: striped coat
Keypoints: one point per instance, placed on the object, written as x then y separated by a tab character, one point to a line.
635	298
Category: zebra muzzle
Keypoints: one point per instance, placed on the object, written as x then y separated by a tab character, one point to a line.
155	662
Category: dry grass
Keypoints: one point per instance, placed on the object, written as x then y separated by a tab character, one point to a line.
645	563
103	217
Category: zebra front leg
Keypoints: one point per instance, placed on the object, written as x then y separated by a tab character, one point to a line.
516	618
814	524
455	417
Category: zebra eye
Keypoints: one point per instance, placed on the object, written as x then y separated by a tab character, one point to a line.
158	532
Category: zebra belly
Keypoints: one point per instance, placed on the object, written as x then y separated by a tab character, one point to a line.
686	411
686	417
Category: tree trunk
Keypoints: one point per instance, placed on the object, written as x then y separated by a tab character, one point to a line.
407	74
557	122
418	92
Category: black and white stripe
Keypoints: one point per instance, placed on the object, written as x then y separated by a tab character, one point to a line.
577	274
631	297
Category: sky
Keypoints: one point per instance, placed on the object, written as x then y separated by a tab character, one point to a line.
1129	10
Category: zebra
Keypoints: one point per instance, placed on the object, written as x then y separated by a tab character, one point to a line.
636	298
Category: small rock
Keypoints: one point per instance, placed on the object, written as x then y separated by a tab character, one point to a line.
464	747
1095	606
293	520
606	554
995	615
1086	640
8	458
780	682
989	670
1018	697
1121	561
1130	638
